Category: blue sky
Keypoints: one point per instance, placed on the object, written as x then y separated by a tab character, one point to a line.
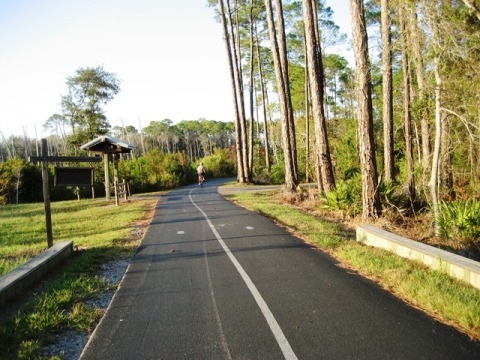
168	54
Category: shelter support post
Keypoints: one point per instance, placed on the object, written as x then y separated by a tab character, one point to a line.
115	178
107	176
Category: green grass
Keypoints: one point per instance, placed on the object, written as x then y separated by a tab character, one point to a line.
89	223
449	300
101	232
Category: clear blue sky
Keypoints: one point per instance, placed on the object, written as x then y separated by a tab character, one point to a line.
169	55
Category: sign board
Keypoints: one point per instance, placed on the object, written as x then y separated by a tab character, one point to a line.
73	176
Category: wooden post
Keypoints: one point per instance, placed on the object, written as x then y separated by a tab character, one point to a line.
46	194
115	177
107	176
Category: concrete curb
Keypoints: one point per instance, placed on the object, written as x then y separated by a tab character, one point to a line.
455	265
18	280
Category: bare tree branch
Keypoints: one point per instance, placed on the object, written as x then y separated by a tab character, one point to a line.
471	5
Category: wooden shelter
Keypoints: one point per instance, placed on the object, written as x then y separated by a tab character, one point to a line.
109	146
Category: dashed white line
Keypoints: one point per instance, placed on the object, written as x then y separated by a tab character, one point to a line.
223	340
272	322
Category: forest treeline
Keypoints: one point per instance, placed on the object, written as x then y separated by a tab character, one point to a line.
398	129
166	156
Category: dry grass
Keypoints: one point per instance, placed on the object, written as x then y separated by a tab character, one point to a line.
419	227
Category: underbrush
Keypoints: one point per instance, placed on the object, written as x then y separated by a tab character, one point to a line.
459	221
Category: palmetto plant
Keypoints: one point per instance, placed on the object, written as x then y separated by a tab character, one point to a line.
347	197
460	221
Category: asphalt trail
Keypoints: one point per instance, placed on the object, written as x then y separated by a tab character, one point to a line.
211	280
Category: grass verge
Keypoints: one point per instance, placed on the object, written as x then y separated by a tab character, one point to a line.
448	300
101	233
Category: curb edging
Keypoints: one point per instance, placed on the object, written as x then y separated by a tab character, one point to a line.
18	280
455	265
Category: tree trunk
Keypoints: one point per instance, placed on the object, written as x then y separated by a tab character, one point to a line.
389	160
420	72
446	172
476	149
238	129
433	16
316	78
370	197
307	119
235	38
282	78
264	106
406	108
252	82
282	44
438	140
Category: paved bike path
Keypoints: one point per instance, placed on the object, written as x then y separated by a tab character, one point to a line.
211	280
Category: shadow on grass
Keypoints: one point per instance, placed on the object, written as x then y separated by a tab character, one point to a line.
57	303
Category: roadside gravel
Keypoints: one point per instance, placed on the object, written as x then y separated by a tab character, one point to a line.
69	345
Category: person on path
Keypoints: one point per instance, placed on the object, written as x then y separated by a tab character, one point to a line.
201	171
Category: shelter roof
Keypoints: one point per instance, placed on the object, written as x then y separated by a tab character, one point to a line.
106	144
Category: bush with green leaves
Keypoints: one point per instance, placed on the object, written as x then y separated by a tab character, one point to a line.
278	173
347	197
460	221
154	171
222	163
20	182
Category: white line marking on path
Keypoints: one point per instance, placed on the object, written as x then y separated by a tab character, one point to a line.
249	227
272	322
181	232
223	340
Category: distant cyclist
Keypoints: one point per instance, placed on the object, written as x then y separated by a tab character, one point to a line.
201	171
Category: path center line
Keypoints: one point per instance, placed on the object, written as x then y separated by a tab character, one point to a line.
272	322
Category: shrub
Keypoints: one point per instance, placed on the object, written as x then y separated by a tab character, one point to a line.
261	176
459	221
278	173
20	182
346	197
220	164
155	170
